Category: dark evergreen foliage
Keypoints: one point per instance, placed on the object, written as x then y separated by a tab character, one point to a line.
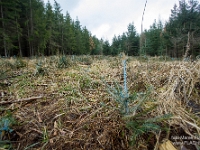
128	42
182	29
30	27
181	34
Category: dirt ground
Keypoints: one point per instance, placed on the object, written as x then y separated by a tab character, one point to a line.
64	103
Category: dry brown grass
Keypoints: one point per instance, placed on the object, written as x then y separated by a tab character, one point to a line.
77	112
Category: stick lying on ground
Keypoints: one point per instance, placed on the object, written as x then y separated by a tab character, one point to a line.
21	100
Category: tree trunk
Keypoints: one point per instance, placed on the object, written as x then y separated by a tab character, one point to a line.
187	46
192	43
62	41
19	43
18	38
31	29
28	32
4	39
175	53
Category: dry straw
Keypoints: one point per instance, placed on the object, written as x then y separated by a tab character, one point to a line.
77	112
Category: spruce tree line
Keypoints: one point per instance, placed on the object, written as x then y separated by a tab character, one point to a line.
179	37
30	27
128	42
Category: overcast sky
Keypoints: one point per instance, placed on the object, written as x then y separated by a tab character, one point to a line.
106	18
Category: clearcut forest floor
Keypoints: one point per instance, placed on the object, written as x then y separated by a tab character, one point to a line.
77	102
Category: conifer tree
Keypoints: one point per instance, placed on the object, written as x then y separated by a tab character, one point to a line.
106	48
10	29
49	15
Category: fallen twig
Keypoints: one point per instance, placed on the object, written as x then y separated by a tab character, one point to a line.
21	100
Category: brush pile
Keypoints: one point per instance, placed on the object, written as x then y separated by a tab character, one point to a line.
71	102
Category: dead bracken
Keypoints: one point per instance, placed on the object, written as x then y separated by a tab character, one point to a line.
71	107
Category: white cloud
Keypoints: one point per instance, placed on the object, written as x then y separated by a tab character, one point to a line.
96	13
106	18
102	30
